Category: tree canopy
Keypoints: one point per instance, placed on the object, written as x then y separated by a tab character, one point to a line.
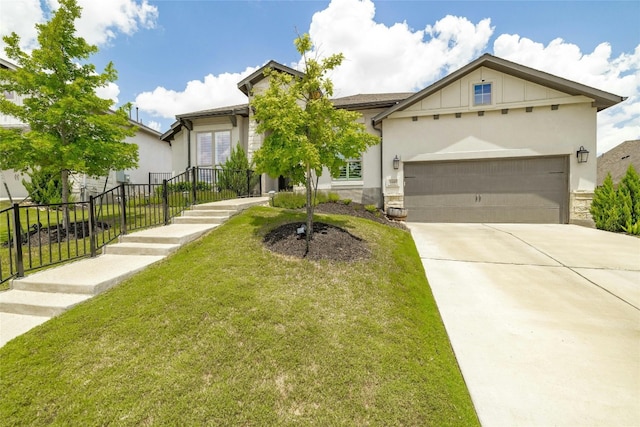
304	132
70	128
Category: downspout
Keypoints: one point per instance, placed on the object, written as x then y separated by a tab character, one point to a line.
373	125
189	126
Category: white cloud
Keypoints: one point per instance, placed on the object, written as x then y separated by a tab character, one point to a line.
20	17
103	20
211	92
155	125
620	76
100	23
380	58
110	91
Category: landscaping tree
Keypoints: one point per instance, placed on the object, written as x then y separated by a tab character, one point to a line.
71	129
604	207
304	132
237	174
618	210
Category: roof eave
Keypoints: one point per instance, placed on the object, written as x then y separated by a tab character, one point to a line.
601	98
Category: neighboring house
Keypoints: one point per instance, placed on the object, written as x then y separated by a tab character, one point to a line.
617	160
154	156
494	141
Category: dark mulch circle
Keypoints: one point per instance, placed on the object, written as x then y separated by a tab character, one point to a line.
329	242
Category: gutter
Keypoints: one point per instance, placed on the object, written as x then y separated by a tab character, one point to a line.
373	125
188	124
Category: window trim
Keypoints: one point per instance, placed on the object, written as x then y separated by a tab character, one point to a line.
214	151
491	94
351	179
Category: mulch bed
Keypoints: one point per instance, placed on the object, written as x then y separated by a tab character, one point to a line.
328	242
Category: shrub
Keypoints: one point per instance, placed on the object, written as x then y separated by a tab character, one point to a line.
346	201
618	210
45	187
333	197
236	174
371	208
290	200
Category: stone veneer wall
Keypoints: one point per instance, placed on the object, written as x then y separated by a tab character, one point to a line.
579	205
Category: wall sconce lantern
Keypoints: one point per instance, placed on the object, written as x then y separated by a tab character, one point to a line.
396	162
582	154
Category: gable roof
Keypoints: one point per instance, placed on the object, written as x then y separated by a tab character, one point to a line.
370	100
601	98
617	160
6	64
246	84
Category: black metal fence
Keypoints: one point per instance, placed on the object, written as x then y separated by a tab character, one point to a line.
36	236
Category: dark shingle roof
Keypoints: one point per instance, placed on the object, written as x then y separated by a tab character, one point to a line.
617	160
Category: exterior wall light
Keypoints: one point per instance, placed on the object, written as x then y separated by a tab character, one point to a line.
396	162
582	154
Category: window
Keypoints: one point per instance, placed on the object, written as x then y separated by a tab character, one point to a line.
352	171
482	94
9	94
214	148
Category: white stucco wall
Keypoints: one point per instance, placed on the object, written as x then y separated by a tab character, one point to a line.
505	128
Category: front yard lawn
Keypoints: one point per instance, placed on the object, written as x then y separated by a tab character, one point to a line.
225	332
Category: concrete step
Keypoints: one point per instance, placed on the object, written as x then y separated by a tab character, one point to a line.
211	210
12	325
130	248
38	303
222	215
212	220
89	276
173	234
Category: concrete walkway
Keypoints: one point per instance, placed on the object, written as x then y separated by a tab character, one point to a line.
544	319
34	299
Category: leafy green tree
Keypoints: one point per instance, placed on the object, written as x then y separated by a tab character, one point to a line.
237	173
605	209
304	132
71	129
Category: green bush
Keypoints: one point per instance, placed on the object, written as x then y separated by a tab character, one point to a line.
237	174
333	197
618	210
371	208
182	186
346	201
290	200
45	187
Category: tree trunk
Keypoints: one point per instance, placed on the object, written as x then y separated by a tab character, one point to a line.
309	230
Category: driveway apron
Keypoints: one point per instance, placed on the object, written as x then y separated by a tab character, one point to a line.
544	319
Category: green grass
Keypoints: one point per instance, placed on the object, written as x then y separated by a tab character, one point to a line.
225	332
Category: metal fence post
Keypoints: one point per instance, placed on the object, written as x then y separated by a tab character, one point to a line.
17	239
123	209
92	228
194	185
165	202
248	182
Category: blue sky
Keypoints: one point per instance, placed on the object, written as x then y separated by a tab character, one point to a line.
177	56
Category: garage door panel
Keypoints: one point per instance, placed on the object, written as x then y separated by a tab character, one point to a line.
533	190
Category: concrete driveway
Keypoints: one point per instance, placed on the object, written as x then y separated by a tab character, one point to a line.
544	319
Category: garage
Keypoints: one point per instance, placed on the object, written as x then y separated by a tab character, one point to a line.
512	190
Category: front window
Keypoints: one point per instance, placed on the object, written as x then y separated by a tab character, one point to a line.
9	94
214	148
352	171
482	94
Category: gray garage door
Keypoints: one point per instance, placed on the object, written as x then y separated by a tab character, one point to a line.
526	190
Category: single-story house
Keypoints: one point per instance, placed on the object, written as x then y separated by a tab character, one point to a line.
617	160
154	156
494	141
